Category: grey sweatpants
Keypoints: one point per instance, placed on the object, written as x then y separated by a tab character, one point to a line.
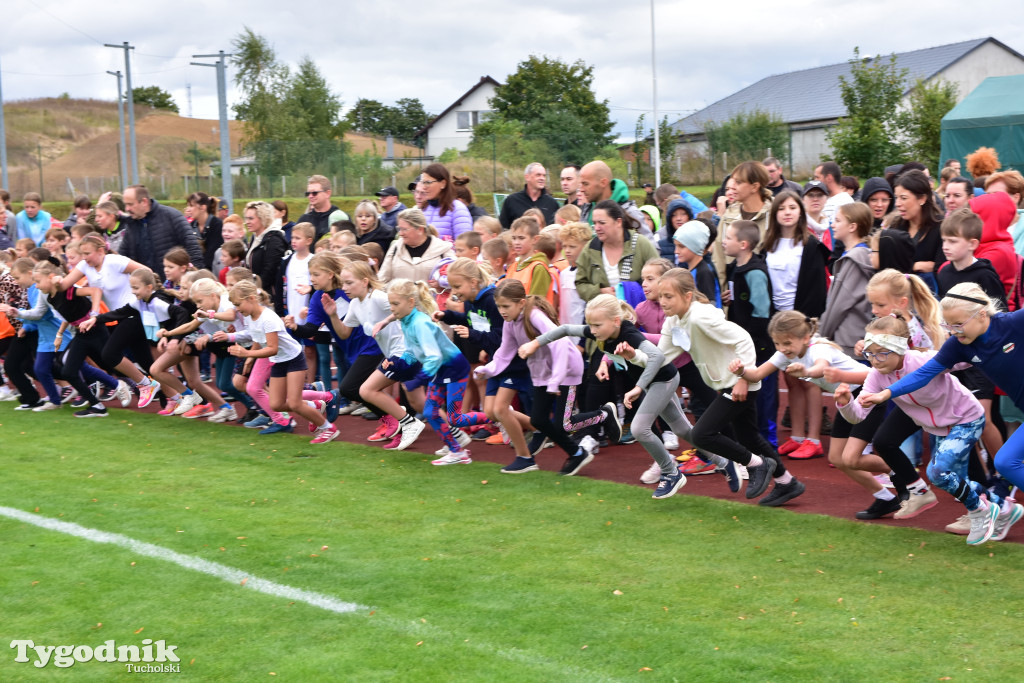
662	401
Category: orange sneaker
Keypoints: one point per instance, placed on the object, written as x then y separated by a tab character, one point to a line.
204	410
695	466
807	450
495	439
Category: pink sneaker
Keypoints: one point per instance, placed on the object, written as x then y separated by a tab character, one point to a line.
169	410
146	393
459	458
386	431
329	433
320	407
395	442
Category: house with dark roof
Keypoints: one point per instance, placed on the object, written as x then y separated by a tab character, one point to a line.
810	102
454	126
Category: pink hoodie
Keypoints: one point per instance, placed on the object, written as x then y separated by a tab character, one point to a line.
556	364
936	407
997	213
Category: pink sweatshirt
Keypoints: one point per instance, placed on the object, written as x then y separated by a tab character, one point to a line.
939	405
651	317
556	364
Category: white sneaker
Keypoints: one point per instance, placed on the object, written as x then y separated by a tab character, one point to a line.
46	406
652	475
670	440
463	438
7	394
410	433
1003	522
123	393
983	524
884	480
225	414
359	411
589	443
460	458
187	403
741	471
350	408
443	451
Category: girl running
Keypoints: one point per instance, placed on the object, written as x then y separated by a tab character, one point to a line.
288	363
729	425
942	407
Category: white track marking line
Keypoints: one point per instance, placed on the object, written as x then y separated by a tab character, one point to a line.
214	569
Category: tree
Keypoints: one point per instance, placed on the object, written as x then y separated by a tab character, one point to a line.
312	105
868	138
554	105
746	136
403	120
155	97
922	120
498	138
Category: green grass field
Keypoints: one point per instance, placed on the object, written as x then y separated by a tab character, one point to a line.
462	573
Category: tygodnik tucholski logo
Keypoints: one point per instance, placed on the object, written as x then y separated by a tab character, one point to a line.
156	656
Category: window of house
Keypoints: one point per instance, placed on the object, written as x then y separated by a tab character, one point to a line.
467	120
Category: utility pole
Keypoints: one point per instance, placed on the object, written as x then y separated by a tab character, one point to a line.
131	106
123	158
3	143
657	126
227	191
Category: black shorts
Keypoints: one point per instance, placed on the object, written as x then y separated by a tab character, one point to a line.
976	382
864	430
297	364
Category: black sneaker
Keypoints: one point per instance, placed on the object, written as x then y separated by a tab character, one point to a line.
603	442
787	422
79	402
106	395
93	411
826	422
67	393
520	466
249	416
668	485
759	477
782	493
880	508
732	477
538	443
29	406
612	425
574	463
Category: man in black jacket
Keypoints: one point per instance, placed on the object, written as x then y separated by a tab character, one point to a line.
776	181
322	214
154	229
534	195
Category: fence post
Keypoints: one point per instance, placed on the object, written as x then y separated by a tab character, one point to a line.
494	160
186	184
284	188
361	186
344	188
163	183
259	190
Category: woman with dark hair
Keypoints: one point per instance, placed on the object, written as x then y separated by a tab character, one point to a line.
920	218
753	199
443	210
200	210
281	221
463	194
877	194
616	254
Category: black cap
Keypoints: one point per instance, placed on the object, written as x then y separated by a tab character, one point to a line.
412	186
647	185
814	185
388	191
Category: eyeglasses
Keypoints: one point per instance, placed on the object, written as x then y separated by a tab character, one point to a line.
314	193
427	183
958	328
881	356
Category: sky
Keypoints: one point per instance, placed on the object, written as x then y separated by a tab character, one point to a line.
435	51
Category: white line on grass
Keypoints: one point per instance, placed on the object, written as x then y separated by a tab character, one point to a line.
219	571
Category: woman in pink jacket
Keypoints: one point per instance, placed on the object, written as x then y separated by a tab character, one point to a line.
943	408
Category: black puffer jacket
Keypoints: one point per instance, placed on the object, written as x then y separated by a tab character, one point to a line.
146	240
265	260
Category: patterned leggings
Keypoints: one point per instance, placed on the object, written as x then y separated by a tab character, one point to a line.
449	395
581	420
948	466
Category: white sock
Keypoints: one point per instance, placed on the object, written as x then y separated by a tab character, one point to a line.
918	488
798	439
755	460
884	494
816	442
784	479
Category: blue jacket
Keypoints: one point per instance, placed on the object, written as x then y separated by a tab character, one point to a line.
427	343
357	344
665	244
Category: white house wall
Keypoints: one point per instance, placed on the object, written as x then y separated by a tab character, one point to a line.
988	60
444	134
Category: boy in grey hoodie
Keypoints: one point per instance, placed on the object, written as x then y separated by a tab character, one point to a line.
847	310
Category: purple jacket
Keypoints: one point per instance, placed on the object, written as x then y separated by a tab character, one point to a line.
557	364
452	224
939	405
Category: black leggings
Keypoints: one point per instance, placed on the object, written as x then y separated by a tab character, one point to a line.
896	428
20	357
84	345
701	395
729	428
360	370
128	334
544	404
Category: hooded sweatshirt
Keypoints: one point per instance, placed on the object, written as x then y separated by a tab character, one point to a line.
666	245
620	195
655	216
848	310
873	185
998	213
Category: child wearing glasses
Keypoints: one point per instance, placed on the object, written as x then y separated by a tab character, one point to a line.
942	407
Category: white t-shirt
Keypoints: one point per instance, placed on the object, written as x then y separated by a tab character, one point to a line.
297	275
611	270
210	326
828	214
571	307
366	313
816	351
784	269
111	278
287	347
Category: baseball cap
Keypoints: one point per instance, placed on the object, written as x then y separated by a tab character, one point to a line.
388	191
815	185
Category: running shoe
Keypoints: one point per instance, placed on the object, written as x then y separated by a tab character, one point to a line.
169	409
783	493
187	403
652	474
386	431
668	485
916	504
520	466
147	392
225	414
460	458
258	422
93	411
695	466
204	410
983	524
276	428
410	433
807	450
1005	520
328	433
46	406
123	393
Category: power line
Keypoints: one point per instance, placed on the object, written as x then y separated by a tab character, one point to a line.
73	28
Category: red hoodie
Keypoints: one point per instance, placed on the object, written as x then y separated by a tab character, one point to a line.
998	213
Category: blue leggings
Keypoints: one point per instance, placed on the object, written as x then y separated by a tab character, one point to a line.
225	370
948	466
450	395
43	369
1009	461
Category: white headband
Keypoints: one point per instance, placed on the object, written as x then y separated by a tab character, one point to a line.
887	341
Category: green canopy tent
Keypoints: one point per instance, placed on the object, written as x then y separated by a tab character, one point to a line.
992	115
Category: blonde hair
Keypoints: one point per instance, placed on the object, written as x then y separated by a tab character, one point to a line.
662	264
568	213
363	271
146	276
611	307
369	206
905	285
470	270
681	280
791	325
490	224
47	268
970	289
264	212
307	230
576	231
418	291
332	263
247	289
204	288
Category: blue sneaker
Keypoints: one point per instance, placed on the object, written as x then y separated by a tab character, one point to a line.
276	428
318	386
732	477
520	466
333	406
669	484
627	437
258	422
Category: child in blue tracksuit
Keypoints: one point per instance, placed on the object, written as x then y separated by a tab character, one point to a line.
429	349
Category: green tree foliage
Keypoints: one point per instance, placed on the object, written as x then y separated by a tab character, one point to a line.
507	141
403	120
869	137
154	96
644	142
285	114
747	136
551	109
922	120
